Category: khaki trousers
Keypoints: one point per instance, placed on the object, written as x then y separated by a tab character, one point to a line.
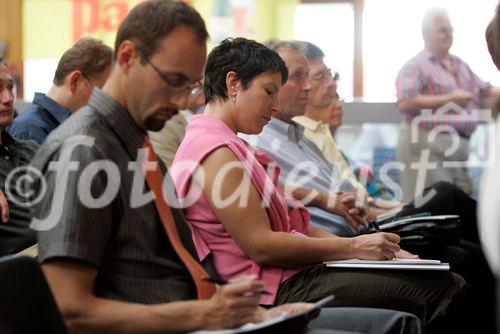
429	156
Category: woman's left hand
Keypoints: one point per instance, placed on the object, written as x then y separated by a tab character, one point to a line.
402	254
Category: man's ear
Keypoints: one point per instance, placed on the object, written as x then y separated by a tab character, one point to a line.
232	83
74	78
126	55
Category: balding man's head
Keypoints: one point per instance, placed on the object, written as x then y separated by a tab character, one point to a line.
437	31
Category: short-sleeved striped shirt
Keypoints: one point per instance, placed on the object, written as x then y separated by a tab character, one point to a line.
126	243
425	75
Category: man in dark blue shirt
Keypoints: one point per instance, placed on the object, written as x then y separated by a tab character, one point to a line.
81	68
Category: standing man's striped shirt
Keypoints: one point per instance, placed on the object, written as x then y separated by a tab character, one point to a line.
425	75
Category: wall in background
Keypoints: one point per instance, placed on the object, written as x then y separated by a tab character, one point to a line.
52	26
11	33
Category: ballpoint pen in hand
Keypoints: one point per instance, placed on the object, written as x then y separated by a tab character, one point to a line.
375	225
223	282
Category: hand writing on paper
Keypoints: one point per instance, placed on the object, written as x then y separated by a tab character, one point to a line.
402	254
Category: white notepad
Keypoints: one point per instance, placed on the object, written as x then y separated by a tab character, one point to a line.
252	327
399	264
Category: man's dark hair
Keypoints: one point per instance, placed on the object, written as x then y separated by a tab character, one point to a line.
89	55
312	51
151	21
247	58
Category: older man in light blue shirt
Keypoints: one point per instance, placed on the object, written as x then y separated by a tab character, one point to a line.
302	164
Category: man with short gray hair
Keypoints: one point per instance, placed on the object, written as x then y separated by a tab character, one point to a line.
436	81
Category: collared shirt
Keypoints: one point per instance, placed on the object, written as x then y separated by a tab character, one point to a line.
303	165
16	234
39	120
425	75
166	141
319	134
187	114
124	241
360	176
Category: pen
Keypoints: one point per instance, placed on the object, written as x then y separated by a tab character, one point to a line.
375	226
222	282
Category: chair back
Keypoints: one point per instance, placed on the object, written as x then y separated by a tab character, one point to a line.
26	302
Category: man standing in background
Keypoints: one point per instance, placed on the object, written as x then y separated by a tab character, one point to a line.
430	81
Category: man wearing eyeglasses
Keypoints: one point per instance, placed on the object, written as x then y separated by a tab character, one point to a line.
434	80
81	68
166	141
112	266
323	114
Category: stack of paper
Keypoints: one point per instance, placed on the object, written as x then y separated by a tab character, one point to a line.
396	264
387	224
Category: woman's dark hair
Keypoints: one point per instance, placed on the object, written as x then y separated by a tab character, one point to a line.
247	58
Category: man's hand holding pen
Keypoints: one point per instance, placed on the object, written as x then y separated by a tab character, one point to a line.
236	302
219	281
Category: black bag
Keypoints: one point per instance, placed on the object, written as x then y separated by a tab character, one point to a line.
425	231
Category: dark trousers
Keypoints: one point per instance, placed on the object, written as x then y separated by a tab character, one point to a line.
448	199
466	257
430	295
497	313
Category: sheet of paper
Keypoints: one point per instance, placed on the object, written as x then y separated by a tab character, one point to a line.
439	267
399	264
386	262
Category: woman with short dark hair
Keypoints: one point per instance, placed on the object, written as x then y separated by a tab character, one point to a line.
242	218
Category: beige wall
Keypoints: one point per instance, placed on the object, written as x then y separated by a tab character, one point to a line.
11	15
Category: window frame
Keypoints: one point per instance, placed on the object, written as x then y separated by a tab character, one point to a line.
358	6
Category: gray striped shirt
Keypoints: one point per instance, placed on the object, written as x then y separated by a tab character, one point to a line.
303	165
127	245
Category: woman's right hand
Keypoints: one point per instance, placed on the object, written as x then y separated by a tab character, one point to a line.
377	246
